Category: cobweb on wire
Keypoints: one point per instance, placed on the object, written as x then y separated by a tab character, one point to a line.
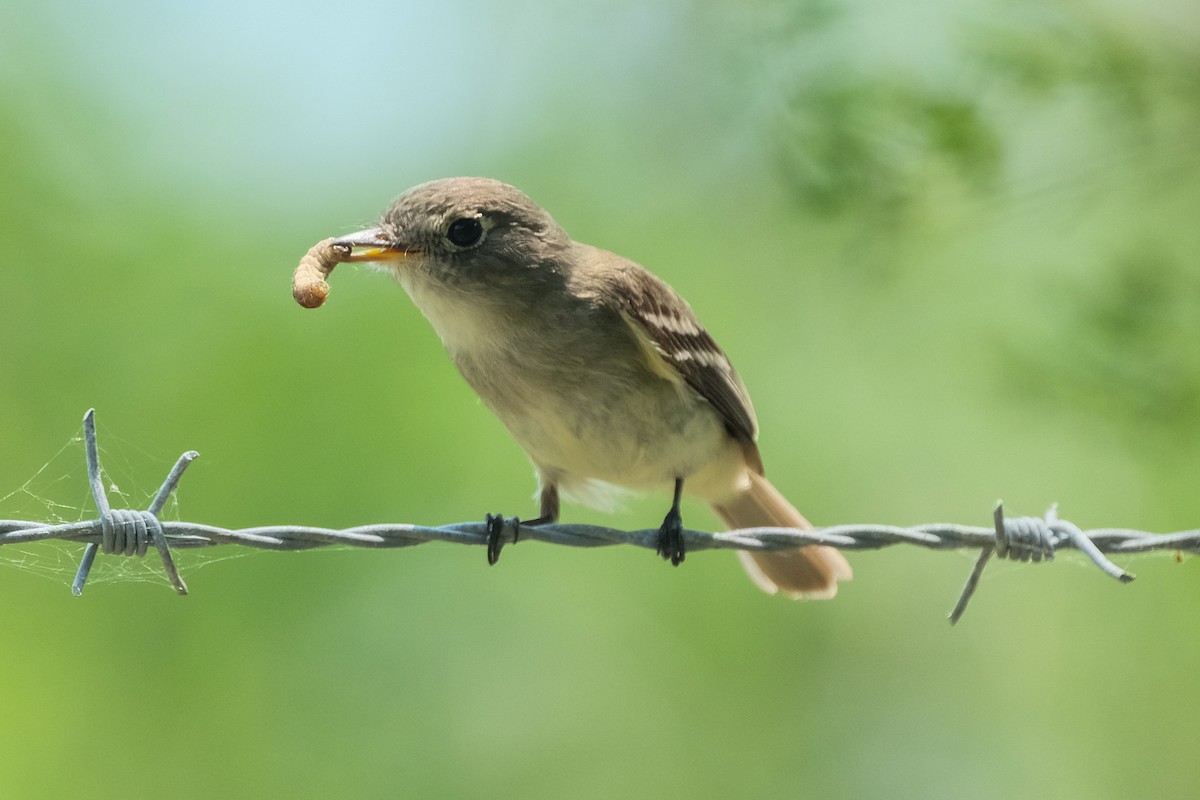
57	493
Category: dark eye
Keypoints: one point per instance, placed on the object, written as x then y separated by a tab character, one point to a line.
465	232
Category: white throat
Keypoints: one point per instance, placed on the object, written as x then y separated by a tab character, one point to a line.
467	323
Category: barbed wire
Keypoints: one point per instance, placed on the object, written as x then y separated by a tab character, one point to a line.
132	532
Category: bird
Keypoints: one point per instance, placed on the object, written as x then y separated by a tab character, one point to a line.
597	367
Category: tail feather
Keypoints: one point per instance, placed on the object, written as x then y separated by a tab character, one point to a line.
806	572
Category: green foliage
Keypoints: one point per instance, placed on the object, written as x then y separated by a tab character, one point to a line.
951	250
870	144
1117	350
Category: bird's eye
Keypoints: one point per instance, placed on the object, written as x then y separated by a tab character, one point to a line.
465	232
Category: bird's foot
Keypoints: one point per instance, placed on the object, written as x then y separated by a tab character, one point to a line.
501	531
670	537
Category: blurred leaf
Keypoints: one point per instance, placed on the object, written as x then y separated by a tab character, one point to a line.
875	144
1122	345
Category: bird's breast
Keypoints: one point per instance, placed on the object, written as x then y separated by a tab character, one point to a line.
574	387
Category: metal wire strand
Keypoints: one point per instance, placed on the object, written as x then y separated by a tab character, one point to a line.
1025	539
123	531
1033	539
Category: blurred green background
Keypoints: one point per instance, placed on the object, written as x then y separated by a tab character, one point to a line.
953	252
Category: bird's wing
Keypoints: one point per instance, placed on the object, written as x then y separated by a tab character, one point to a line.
679	346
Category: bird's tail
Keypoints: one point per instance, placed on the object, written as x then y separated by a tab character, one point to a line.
806	572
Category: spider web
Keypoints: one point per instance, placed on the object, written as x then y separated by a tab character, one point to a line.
58	493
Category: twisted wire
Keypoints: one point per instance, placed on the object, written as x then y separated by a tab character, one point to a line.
1024	539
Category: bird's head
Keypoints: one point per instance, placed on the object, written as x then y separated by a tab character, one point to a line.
464	233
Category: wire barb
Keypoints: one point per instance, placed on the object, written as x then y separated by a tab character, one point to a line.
130	532
1032	539
126	532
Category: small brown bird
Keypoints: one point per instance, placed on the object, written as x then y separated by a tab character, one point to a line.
597	367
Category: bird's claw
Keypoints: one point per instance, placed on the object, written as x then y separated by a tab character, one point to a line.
670	538
497	526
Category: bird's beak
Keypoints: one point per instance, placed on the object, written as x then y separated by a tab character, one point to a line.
373	244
